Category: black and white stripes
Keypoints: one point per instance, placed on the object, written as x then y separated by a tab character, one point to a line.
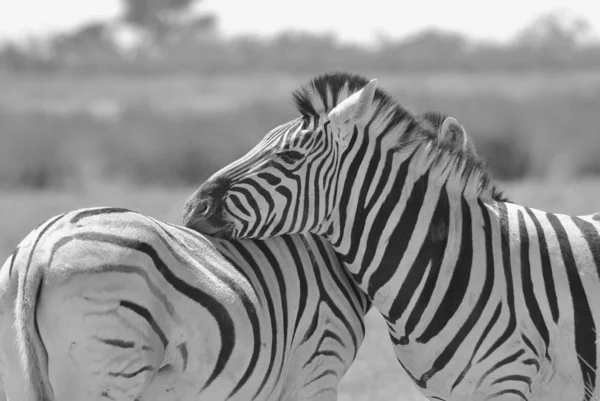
484	299
114	305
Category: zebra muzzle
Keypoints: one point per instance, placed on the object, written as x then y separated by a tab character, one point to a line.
203	208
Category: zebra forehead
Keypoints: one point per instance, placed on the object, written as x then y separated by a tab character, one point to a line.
283	130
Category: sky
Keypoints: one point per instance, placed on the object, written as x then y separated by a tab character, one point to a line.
349	20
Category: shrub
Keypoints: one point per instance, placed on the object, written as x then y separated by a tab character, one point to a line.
507	155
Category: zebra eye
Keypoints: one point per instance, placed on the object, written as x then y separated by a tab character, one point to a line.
290	156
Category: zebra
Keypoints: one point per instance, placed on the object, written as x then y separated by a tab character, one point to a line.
110	304
484	299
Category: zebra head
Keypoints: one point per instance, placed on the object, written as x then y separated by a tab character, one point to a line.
296	178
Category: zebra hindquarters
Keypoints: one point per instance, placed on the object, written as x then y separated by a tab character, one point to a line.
70	333
101	337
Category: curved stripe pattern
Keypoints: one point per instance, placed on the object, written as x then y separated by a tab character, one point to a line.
484	299
115	305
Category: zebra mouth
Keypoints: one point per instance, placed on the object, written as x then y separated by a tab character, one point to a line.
225	232
204	226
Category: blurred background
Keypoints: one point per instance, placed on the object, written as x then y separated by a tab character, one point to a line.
134	102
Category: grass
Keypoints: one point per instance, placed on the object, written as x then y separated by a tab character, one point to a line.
375	373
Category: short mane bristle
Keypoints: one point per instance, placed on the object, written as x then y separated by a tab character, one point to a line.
325	90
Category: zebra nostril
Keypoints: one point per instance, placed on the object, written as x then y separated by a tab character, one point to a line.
204	208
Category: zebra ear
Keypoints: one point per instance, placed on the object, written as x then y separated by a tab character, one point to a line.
452	131
354	109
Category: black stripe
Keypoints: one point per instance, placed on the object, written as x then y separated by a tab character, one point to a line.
184	354
590	234
12	262
585	327
117	268
325	373
457	287
346	182
115	342
132	374
508	391
214	307
323	155
282	296
360	216
342	278
304	192
526	281
431	248
400	238
387	162
330	334
506	361
546	266
432	255
28	303
38	295
363	209
414	379
296	200
487	330
510	294
304	138
238	204
247	303
322	91
466	259
37	240
331	179
532	361
257	189
250	197
287	194
251	202
271	179
252	264
312	327
237	265
317	354
528	342
302	281
145	313
383	214
516	378
333	307
96	212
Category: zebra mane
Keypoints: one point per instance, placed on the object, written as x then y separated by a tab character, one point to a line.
464	170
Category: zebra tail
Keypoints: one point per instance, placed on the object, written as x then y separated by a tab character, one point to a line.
32	352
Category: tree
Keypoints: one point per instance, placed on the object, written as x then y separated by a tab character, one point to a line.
160	18
557	29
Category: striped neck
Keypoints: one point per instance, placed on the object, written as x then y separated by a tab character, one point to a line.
420	221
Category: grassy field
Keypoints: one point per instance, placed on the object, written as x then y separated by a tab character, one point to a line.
375	374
